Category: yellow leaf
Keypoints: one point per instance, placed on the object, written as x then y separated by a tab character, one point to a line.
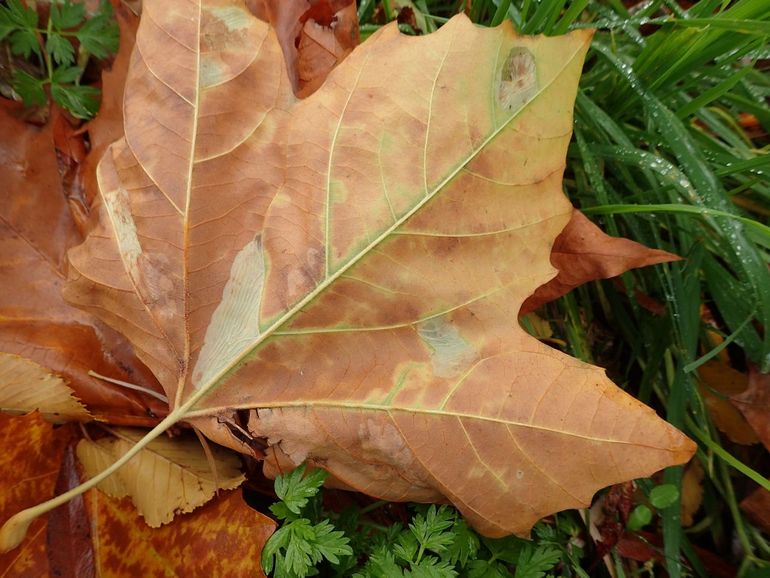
26	386
168	476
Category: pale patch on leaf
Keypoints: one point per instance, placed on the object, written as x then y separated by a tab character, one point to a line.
235	322
169	476
450	353
518	79
26	386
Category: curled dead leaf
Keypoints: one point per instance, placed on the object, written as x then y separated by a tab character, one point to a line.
720	382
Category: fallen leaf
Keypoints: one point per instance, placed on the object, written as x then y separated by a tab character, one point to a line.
29	464
36	230
757	508
167	477
582	252
70	539
223	538
718	383
26	386
315	36
356	281
754	404
692	492
107	126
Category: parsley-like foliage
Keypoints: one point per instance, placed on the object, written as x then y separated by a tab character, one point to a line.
436	543
54	46
299	545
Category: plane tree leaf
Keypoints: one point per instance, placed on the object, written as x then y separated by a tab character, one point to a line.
348	268
168	476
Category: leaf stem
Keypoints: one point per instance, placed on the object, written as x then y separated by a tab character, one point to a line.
15	528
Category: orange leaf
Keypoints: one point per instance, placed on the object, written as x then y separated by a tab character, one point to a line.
582	252
349	267
223	538
29	464
719	378
315	36
754	404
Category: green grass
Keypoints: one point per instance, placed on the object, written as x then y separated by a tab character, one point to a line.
659	155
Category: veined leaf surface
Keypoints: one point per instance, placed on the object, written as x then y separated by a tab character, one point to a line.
350	267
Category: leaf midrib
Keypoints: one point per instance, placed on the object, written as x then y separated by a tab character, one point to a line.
184	409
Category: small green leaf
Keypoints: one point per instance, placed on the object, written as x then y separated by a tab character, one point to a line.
507	549
60	49
100	35
29	88
664	496
294	489
67	74
535	562
639	518
20	16
81	101
382	564
19	22
465	545
24	43
430	528
430	567
331	543
487	569
67	15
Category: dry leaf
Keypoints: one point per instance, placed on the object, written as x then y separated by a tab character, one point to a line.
754	404
719	382
315	36
29	464
167	477
70	533
757	508
26	386
36	230
692	492
223	538
351	265
583	253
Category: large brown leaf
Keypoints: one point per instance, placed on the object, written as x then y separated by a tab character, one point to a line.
350	266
